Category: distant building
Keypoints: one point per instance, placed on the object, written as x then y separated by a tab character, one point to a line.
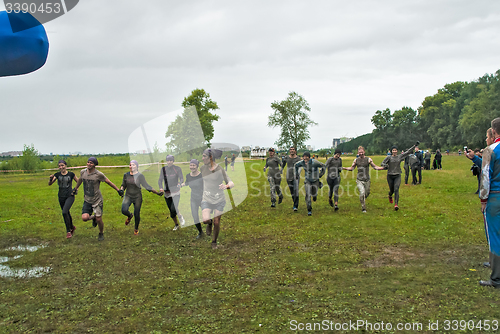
337	141
245	148
309	148
11	154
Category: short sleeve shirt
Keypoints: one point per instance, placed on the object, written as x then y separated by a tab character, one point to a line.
91	183
211	181
64	182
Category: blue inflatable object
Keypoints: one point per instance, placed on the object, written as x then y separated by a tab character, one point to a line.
24	51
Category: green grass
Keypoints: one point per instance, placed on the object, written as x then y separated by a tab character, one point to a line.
419	264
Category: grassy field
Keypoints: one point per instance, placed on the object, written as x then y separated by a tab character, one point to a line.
273	270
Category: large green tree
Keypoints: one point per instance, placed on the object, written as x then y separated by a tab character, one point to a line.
185	133
30	160
484	106
204	107
439	115
291	115
383	134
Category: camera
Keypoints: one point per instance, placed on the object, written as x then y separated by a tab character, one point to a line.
466	149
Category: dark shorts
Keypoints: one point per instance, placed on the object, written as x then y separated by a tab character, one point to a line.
217	206
89	208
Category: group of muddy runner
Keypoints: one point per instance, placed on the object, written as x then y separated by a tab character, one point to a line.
207	184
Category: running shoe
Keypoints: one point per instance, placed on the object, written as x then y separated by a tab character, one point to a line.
176	227
209	229
364	210
94	222
200	235
309	213
330	202
100	237
273	205
396	207
214	245
336	207
69	235
295	209
280	200
136	232
73	230
390	199
129	219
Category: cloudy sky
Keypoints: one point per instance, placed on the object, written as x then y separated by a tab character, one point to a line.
116	64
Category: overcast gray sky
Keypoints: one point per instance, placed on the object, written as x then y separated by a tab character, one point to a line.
116	64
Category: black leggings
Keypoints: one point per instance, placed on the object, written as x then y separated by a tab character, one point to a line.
195	204
394	181
293	185
172	203
66	203
334	184
127	201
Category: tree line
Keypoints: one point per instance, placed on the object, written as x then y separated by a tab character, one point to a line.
457	115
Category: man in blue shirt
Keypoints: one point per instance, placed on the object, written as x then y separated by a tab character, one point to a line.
490	202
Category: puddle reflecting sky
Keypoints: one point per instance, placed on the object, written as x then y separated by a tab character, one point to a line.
6	271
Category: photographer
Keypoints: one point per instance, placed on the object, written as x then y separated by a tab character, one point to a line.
477	160
476	168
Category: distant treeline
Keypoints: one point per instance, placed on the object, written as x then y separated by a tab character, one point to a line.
457	115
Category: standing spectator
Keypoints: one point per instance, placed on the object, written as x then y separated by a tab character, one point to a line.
226	162
363	179
406	166
171	176
293	183
438	158
427	159
490	202
311	177
274	176
476	169
233	158
476	159
417	164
